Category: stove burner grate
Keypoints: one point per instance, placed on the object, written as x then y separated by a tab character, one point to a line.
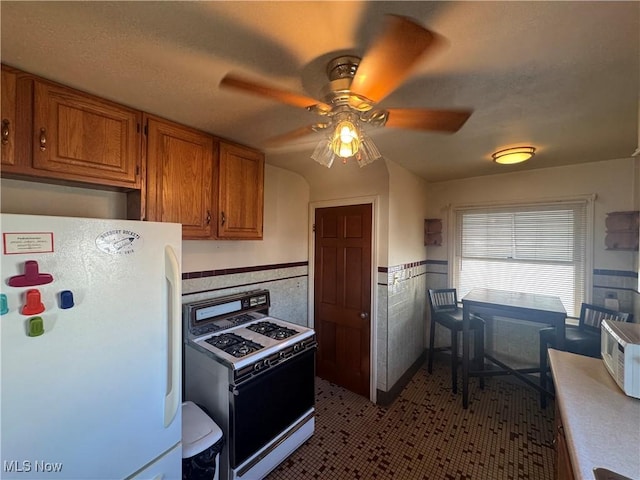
233	344
272	330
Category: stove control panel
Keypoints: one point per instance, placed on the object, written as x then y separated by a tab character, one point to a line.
206	316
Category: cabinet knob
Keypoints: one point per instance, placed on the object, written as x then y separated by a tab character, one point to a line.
5	131
43	139
364	315
208	217
222	218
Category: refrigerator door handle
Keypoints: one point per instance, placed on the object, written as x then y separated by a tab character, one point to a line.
172	395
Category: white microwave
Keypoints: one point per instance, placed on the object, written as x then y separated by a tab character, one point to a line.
620	350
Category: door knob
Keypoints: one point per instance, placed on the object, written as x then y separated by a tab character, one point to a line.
364	315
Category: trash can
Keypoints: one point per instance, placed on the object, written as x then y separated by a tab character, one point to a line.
201	444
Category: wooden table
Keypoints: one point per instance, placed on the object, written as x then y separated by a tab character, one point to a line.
545	309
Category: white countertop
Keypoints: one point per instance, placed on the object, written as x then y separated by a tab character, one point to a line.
601	423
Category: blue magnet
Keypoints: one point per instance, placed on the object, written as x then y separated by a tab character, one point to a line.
4	308
66	299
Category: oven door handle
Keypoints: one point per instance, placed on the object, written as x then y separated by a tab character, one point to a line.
174	345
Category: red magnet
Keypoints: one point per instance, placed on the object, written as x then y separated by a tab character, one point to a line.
31	277
33	305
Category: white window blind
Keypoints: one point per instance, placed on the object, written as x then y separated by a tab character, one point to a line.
534	249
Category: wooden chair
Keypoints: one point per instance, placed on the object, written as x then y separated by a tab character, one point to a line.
583	339
445	311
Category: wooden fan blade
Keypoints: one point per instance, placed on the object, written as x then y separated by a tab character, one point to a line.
293	135
389	60
424	119
284	96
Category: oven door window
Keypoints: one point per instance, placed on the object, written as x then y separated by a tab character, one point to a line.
268	404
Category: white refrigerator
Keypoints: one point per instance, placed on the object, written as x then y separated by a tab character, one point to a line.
90	338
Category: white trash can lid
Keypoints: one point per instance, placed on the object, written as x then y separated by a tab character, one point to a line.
199	431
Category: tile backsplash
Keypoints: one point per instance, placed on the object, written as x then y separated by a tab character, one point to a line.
287	284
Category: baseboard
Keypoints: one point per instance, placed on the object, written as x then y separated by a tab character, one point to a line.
386	398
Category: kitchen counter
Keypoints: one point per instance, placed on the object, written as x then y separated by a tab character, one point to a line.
601	423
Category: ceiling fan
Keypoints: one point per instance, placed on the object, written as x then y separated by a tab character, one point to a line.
355	86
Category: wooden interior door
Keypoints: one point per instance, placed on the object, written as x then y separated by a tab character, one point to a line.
342	295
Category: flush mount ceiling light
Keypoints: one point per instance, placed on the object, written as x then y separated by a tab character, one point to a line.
509	156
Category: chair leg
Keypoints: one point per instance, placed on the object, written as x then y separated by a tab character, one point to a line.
478	352
543	373
454	361
432	336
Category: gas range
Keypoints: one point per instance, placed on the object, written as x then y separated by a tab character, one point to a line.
255	375
238	331
262	339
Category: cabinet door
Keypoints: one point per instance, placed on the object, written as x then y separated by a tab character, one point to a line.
180	177
84	138
563	468
8	132
240	192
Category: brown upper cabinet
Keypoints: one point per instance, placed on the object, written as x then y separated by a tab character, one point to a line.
179	189
240	203
215	189
8	132
65	134
171	173
82	137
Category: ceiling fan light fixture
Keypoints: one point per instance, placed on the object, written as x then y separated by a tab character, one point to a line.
368	152
323	154
345	142
510	156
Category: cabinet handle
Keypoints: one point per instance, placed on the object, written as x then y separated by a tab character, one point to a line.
222	218
208	217
43	139
5	131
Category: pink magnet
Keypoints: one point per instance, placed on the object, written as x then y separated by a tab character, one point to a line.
31	277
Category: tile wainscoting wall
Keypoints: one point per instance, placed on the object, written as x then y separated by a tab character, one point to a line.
621	285
401	325
287	284
521	345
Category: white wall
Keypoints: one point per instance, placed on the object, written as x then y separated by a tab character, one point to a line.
286	199
408	207
285	219
33	198
349	181
614	182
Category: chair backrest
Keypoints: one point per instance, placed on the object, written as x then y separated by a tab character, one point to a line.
591	317
443	300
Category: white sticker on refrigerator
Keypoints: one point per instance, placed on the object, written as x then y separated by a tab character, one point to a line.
119	242
27	242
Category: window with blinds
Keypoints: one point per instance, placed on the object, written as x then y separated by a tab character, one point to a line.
534	249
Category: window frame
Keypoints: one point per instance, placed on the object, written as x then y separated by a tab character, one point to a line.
587	200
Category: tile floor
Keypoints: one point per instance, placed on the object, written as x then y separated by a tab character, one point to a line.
426	434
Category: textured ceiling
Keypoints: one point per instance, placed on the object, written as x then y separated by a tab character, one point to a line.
561	76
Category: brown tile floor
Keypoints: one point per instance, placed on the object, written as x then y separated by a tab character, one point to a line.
426	434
